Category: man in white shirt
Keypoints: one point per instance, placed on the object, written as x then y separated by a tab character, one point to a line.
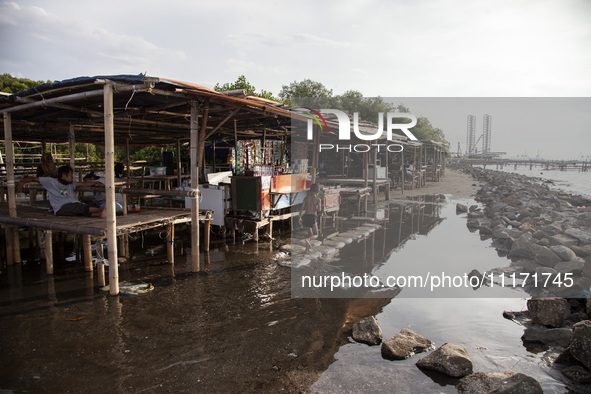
60	191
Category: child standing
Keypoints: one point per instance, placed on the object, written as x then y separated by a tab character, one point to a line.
311	207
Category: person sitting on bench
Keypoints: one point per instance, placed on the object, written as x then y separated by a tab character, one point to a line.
61	193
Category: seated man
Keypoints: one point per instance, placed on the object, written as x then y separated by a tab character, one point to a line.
61	193
100	197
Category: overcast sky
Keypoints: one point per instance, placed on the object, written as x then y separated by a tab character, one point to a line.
403	48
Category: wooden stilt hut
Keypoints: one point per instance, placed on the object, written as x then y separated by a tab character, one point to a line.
125	110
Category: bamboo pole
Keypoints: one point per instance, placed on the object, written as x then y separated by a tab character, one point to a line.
72	145
179	178
366	178
49	252
87	252
71	97
201	141
207	232
12	237
110	189
315	155
375	176
194	149
170	244
100	263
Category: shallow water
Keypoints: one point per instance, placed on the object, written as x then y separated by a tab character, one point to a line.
236	327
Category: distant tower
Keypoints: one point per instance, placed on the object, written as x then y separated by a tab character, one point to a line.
486	131
470	135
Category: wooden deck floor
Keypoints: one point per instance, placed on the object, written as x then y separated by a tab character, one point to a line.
40	216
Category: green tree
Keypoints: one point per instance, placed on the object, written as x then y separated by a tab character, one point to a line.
306	93
242	83
10	84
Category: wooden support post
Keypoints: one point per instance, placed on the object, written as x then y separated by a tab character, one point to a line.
121	246
179	176
170	244
12	238
206	234
72	144
315	154
366	182
9	235
100	263
49	252
87	252
111	219
375	176
194	150
402	172
127	175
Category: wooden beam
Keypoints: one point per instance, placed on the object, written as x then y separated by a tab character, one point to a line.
222	123
71	97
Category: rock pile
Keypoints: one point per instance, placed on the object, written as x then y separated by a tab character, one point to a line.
546	233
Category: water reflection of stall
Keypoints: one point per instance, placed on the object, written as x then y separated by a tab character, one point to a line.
398	223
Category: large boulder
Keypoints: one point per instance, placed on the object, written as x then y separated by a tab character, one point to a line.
548	311
405	344
561	239
580	345
563	252
449	359
583	236
507	382
526	246
367	331
548	336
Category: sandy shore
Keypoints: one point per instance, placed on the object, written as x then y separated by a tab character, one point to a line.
455	184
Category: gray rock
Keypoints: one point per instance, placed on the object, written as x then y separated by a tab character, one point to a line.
548	311
449	359
473	223
561	239
475	215
507	382
551	229
581	251
574	266
548	336
512	201
583	236
485	230
404	344
461	208
367	331
523	247
577	373
544	242
563	252
580	345
540	235
544	256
